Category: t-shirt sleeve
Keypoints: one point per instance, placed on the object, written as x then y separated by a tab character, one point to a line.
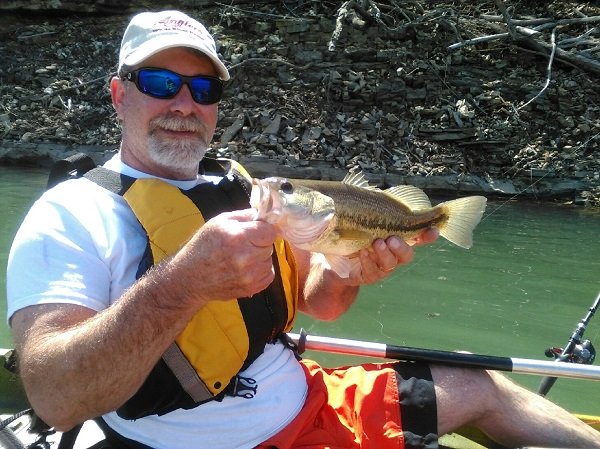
54	259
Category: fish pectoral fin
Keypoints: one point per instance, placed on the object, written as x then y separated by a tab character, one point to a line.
463	215
342	265
411	196
411	242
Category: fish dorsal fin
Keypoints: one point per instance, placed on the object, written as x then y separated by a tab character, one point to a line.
411	196
357	179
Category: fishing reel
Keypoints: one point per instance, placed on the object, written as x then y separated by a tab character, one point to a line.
583	353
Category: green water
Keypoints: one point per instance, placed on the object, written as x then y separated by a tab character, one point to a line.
531	275
19	188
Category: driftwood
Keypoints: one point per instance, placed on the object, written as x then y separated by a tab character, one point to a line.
572	58
529	34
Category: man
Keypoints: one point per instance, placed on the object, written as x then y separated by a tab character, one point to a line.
149	296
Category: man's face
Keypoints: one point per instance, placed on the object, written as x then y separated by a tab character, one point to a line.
166	137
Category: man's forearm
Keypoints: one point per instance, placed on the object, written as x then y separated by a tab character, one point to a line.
325	296
76	364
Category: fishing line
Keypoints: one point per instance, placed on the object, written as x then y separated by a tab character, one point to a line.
442	245
381	324
574	153
596	334
571	154
500	206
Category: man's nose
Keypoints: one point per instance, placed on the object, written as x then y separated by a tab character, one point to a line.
183	102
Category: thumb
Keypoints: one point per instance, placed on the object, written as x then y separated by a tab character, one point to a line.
262	234
242	215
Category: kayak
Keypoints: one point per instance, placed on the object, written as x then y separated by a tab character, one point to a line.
471	438
18	434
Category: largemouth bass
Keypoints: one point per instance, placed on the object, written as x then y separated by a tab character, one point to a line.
337	219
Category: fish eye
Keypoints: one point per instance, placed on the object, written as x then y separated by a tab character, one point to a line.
287	187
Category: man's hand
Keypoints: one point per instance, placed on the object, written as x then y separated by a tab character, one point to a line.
229	257
384	256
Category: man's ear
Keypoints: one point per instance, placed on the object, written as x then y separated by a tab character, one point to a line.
117	93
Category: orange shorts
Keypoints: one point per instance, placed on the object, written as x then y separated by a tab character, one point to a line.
370	406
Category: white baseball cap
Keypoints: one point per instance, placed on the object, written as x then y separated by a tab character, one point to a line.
151	32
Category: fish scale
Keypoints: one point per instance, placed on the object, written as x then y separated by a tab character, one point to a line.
369	210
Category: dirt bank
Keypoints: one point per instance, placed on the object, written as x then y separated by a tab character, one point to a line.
317	89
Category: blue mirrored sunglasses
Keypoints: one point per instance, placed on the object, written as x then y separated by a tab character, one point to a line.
163	83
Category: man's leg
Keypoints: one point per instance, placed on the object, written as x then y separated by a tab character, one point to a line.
506	412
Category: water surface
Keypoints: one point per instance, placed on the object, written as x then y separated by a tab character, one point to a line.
532	274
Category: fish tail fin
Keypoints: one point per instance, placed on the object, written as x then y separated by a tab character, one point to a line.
463	215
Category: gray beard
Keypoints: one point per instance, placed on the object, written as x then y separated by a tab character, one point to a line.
179	155
182	155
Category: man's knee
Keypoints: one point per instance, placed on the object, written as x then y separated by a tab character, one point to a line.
458	379
465	395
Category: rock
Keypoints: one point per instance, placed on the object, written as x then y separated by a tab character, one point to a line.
273	127
230	132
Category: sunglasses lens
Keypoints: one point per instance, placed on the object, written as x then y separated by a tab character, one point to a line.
159	83
206	90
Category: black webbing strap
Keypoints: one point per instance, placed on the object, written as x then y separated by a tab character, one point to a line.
71	167
67	439
116	440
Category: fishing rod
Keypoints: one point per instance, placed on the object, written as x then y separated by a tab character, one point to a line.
459	359
576	350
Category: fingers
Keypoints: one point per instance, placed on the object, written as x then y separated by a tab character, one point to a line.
370	270
392	252
261	236
248	249
381	259
429	235
387	254
259	233
229	257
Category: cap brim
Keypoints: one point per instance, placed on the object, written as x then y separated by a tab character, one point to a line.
154	46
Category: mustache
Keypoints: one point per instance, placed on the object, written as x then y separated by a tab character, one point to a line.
182	124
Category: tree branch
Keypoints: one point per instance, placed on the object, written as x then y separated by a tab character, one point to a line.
548	70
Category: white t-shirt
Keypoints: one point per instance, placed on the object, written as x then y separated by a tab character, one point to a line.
81	244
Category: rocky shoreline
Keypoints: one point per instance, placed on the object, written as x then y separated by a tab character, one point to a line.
316	92
542	188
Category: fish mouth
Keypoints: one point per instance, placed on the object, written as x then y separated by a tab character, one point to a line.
263	201
256	193
296	220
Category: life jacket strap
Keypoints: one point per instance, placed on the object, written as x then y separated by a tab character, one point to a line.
186	374
116	440
71	167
